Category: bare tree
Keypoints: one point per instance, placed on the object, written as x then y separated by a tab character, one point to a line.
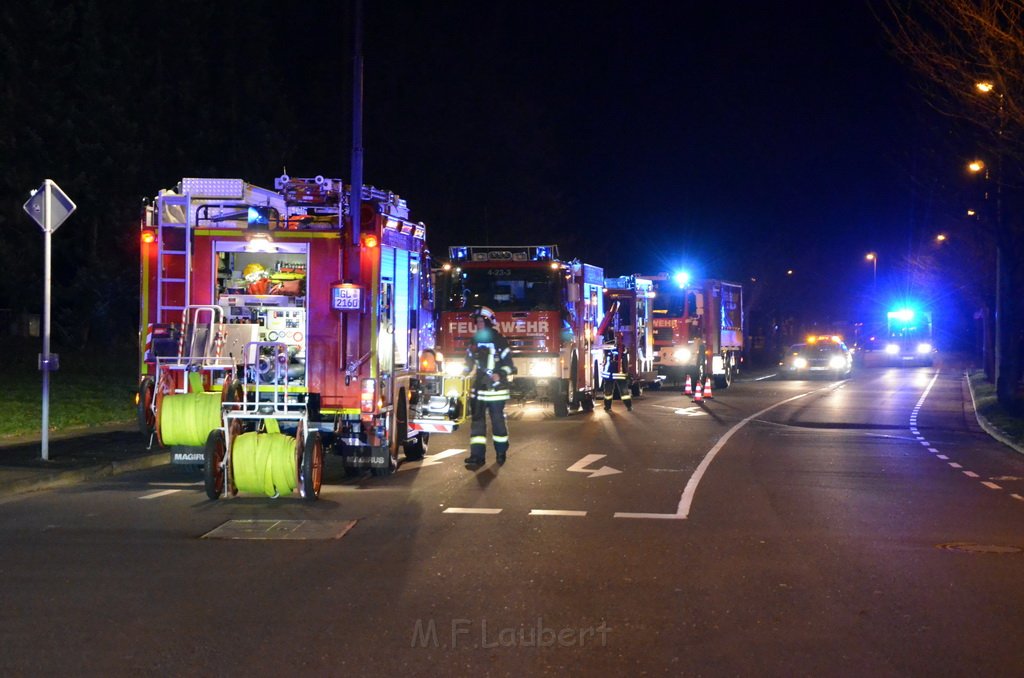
970	54
956	45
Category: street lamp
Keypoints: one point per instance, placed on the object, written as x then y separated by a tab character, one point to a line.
873	258
941	237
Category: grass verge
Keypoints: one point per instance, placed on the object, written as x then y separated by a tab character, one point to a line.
1009	423
90	389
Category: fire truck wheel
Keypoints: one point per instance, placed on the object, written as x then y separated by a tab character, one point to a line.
636	389
416	448
213	467
587	402
724	380
147	417
560	399
311	472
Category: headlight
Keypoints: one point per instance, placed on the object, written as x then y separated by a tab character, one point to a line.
454	368
837	362
682	355
799	363
892	349
543	368
924	348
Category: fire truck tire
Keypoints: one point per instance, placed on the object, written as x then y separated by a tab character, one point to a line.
146	415
724	380
311	472
636	389
213	464
416	448
587	402
560	399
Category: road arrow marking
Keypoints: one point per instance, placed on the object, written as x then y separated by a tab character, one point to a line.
430	459
579	467
692	412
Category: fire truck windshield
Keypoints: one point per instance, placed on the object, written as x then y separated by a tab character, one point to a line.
669	303
501	289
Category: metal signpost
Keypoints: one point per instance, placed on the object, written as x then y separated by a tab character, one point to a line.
49	207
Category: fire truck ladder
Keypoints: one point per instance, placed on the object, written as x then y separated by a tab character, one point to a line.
172	214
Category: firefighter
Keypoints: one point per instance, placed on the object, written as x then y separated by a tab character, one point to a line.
490	355
615	373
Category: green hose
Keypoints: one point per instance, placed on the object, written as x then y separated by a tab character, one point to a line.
187	419
264	462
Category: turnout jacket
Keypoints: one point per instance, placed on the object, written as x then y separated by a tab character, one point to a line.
616	362
489	353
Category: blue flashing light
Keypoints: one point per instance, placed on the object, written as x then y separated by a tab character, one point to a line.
259	216
543	253
459	253
682	278
905	315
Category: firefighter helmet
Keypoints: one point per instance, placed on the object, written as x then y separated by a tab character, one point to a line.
487	315
254	272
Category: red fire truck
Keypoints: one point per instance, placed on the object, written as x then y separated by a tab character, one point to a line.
629	299
547	308
698	328
270	288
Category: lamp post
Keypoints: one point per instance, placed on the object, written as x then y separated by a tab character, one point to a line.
873	258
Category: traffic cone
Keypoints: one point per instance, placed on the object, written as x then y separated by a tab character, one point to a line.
688	386
707	390
698	394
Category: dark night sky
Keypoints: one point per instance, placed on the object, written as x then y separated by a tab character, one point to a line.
739	139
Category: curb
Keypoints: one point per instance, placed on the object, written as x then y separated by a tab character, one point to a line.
73	477
985	424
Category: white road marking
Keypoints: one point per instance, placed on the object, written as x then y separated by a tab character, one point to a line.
924	442
482	511
556	512
955	465
970	474
198	483
942	457
162	493
650	516
690	490
430	459
991	486
579	467
932	449
1017	497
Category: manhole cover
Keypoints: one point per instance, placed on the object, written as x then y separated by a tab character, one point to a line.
281	529
967	547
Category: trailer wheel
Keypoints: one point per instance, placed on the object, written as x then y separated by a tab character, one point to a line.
146	415
213	464
724	380
587	402
311	471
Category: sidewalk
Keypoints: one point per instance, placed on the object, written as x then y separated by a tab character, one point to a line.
75	455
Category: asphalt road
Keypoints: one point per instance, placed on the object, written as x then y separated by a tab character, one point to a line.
862	527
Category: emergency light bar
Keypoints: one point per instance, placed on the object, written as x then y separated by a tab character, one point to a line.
504	253
195	187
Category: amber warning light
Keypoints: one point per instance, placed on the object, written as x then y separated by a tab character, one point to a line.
148	237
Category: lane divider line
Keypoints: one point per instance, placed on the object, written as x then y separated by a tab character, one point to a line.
481	511
970	474
557	512
991	486
161	493
686	501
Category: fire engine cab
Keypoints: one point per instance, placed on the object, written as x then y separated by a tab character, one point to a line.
268	297
547	308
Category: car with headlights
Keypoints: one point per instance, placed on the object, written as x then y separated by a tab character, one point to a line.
827	356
